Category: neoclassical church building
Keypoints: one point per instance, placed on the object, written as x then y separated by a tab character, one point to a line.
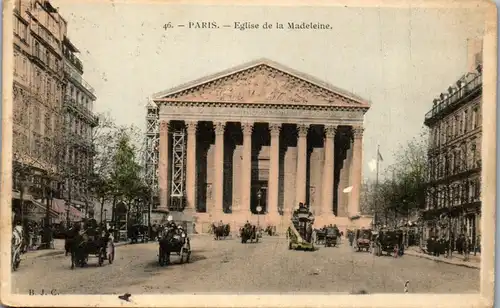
251	142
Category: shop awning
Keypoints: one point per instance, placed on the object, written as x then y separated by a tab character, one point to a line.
61	207
36	210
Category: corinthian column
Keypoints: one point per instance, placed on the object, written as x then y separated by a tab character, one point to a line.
274	168
357	164
246	167
163	164
300	184
328	171
191	165
219	167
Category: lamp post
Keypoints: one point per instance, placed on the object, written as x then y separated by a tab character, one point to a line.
67	215
259	207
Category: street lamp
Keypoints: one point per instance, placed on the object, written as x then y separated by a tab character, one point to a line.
259	208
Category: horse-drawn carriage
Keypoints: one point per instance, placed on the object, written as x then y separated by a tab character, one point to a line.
389	241
174	240
250	233
138	233
363	239
331	236
320	236
221	231
300	231
92	242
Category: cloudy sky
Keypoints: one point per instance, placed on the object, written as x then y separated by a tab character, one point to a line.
398	58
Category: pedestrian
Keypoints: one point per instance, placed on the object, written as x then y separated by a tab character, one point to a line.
466	248
477	245
351	238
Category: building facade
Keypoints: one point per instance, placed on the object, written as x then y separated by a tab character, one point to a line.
252	142
79	122
454	155
39	137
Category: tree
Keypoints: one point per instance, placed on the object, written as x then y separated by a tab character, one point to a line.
402	192
104	138
125	176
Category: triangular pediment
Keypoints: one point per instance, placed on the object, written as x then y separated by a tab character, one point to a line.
262	82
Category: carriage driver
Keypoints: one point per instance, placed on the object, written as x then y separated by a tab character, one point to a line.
170	223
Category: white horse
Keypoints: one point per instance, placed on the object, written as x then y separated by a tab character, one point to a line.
17	241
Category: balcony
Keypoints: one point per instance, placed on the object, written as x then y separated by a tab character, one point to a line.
467	89
77	78
78	139
45	36
77	63
71	103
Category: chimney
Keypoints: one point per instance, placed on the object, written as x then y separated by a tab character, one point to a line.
474	54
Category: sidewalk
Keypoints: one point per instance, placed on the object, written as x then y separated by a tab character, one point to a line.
456	259
58	250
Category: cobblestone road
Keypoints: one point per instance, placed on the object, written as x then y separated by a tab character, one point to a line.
229	266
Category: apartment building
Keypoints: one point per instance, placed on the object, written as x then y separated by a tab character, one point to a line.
79	121
41	132
454	154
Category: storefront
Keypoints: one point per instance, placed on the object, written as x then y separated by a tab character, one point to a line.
31	210
64	211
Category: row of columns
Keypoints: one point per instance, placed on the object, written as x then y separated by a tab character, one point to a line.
246	176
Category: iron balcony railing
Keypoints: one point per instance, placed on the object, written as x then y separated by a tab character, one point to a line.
71	103
73	59
73	74
446	101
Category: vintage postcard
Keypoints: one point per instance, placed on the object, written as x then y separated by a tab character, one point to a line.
241	154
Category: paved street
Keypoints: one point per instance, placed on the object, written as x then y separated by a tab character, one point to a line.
229	266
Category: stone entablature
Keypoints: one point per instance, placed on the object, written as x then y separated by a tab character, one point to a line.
234	112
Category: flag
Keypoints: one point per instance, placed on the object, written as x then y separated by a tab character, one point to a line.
347	189
379	156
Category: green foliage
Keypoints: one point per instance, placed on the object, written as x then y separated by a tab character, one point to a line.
125	172
403	191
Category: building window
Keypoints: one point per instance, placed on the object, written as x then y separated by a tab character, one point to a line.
473	153
475	118
466	121
37	50
47	57
24	69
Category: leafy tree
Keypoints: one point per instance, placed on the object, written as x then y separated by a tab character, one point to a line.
125	175
403	190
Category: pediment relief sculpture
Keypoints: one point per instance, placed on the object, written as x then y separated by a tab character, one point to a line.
260	85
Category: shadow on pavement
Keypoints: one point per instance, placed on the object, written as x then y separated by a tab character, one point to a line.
174	261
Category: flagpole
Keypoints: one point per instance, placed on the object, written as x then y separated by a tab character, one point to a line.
376	188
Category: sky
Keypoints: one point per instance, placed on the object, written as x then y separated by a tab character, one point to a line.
399	59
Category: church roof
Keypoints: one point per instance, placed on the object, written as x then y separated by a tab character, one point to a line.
263	61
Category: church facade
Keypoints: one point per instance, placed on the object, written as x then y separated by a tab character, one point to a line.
261	138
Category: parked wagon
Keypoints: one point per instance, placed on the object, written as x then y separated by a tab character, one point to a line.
320	236
388	241
331	237
363	239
